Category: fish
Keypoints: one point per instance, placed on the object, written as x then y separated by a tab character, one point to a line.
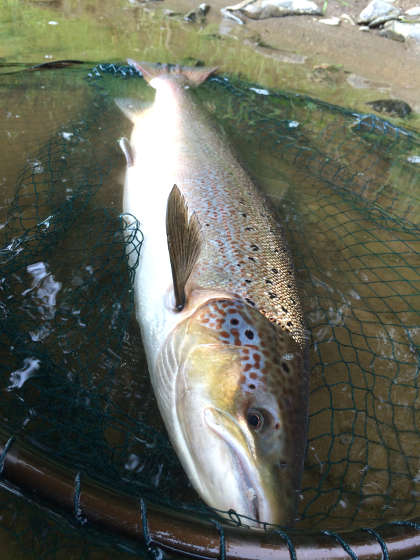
218	306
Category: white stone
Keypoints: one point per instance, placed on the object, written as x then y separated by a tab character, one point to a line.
330	21
378	9
414	159
262	9
347	18
413	11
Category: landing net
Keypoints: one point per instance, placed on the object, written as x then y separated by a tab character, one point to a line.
73	380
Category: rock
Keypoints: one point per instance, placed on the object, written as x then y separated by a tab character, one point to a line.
204	9
377	12
413	11
414	159
334	21
400	31
328	74
392	107
262	9
348	19
198	14
230	15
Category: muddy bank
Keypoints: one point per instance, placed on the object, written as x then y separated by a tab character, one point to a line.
362	59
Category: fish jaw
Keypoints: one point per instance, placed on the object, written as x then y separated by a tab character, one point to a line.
256	479
218	396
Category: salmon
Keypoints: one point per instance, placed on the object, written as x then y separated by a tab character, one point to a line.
218	306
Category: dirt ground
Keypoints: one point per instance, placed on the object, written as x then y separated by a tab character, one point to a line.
377	61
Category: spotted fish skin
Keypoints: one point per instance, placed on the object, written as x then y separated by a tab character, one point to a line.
245	249
228	370
271	362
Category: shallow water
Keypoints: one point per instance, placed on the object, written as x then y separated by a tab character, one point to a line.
75	380
288	57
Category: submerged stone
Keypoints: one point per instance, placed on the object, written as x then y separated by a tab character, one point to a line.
197	14
392	107
377	12
262	9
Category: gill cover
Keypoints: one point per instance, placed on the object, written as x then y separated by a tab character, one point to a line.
240	410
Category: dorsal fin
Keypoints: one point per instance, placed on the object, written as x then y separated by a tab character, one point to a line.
194	76
184	243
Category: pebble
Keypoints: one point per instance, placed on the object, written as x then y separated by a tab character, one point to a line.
413	159
334	21
262	9
377	12
197	14
347	19
413	11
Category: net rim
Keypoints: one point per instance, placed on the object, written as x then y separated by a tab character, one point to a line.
191	537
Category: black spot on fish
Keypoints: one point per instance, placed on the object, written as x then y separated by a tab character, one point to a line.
284	309
272	296
251	259
285	367
289	323
248	281
289	285
234	322
251	386
274	270
250	302
255	247
244	214
249	228
249	334
293	301
268	281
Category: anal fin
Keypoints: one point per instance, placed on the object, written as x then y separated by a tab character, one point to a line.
184	243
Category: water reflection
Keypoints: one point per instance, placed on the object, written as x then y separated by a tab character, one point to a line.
43	293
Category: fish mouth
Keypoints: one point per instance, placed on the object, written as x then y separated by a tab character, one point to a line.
240	450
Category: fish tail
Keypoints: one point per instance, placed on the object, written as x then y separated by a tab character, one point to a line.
194	76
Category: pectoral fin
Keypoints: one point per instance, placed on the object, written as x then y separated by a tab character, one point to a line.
127	151
184	243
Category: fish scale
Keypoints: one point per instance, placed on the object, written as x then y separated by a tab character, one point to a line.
243	239
218	307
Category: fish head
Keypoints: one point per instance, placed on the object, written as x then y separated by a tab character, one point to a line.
241	411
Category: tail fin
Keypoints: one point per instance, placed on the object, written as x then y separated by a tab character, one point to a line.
194	76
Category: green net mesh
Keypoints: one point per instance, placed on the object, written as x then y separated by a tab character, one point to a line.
73	378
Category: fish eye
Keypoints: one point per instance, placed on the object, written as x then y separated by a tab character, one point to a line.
255	419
